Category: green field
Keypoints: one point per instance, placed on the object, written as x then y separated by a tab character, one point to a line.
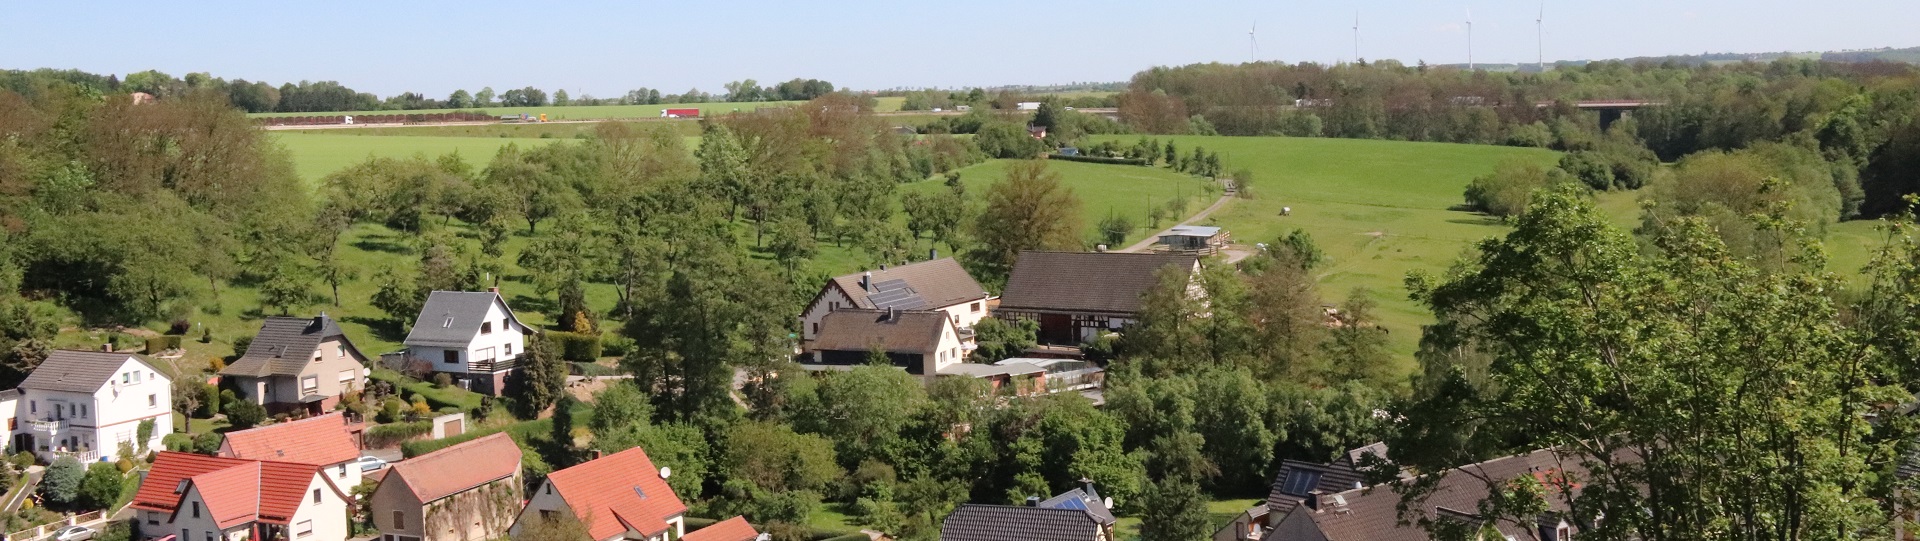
532	130
1379	209
1125	190
584	112
317	154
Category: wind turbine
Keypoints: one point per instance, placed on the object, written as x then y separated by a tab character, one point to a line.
1469	39
1356	36
1254	42
1540	37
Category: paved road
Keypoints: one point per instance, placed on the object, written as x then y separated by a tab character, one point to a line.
1146	242
33	479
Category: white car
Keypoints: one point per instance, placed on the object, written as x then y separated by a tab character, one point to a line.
367	464
73	533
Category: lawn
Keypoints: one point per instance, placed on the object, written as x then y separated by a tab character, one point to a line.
1123	190
535	130
583	112
1379	209
317	154
1219	513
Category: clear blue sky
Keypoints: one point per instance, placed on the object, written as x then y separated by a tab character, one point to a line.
605	48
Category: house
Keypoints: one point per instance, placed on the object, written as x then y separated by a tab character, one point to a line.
977	522
924	342
467	492
1194	238
1369	513
733	529
298	364
1297	481
86	404
1249	525
327	442
621	496
9	410
1037	131
1077	295
1085	498
471	335
190	497
939	284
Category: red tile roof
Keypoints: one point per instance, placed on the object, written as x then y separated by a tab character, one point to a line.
733	529
320	441
618	492
460	467
234	489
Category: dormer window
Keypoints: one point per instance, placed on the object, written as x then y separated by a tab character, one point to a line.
448	324
179	488
486	327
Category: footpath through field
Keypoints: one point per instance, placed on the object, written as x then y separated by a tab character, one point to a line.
1144	243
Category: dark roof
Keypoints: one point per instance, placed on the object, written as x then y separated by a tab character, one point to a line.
453	318
284	346
1084	498
928	284
1289	488
905	331
975	522
78	371
1371	513
9	394
1107	282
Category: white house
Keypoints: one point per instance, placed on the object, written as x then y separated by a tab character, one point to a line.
923	342
206	498
939	284
85	404
621	497
472	335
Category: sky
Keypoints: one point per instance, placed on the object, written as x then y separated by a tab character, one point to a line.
606	48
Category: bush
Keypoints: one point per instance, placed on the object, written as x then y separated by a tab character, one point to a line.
177	442
61	484
390	410
21	460
1098	159
388	435
101	486
240	344
207	443
442	380
575	346
162	343
1507	191
616	346
179	326
124	465
244	415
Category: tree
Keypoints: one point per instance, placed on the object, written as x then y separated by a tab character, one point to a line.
561	99
460	100
792	243
724	170
483	98
61	483
100	487
1007	140
1114	229
1357	346
1506	192
245	414
288	288
1028	210
541	378
621	404
1000	339
143	434
397	297
864	409
1679	377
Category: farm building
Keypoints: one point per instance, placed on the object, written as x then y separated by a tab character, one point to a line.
1076	295
1194	238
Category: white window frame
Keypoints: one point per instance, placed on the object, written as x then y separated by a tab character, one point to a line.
303	528
310	383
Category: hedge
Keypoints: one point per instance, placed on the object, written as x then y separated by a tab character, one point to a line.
577	347
388	434
593	370
1098	159
522	432
162	343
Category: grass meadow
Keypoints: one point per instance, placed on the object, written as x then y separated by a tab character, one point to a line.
580	112
317	154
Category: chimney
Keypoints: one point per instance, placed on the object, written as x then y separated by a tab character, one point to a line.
494	290
1313	499
866	281
1033	501
893	314
595	455
107	347
1086	485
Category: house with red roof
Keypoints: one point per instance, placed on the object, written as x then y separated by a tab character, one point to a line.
733	529
190	497
466	492
620	497
327	442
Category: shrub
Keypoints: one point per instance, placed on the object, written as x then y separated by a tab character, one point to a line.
216	364
179	326
101	486
593	370
244	415
123	465
1507	191
177	442
240	344
391	434
390	410
420	407
207	443
442	380
209	400
1098	159
162	343
575	346
61	484
616	346
21	460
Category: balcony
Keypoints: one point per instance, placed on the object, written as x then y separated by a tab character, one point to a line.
493	365
84	455
49	426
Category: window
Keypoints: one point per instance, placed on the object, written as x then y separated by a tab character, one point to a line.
310	383
976	307
485	354
507	348
196	509
183	535
126	377
816	327
209	535
342	473
450	356
136	376
342	351
347	376
153	518
549	515
399	519
486	327
83	410
303	528
153	401
33	407
1300	482
549	488
316	495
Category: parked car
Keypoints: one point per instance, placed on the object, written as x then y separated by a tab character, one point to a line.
370	463
73	533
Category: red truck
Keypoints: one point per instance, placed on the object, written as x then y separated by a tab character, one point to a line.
680	113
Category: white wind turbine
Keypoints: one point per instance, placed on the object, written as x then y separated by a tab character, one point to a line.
1540	37
1253	43
1469	39
1356	36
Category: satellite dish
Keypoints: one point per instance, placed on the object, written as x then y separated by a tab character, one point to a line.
666	472
1108	502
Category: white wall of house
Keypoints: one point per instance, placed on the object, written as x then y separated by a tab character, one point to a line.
499	338
101	420
322	514
948	352
965	315
830	298
192	521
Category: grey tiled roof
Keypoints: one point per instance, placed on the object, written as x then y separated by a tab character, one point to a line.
975	522
78	371
285	345
940	283
466	309
1372	513
907	331
1098	282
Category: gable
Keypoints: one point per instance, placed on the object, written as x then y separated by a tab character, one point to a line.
84	371
452	319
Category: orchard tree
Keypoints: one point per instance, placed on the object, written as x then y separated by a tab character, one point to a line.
483	98
1028	210
460	100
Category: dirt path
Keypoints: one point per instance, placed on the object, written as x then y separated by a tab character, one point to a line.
1202	215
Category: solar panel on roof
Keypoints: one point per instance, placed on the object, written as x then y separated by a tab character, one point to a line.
895	294
1071	503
